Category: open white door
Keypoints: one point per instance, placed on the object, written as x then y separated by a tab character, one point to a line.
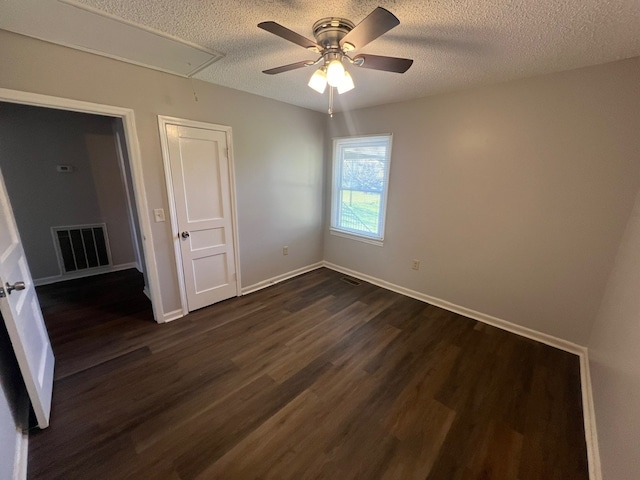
199	175
22	315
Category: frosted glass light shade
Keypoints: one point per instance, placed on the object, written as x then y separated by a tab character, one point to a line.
318	81
346	83
335	72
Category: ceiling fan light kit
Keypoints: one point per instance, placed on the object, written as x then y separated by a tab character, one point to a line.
335	72
318	80
346	83
335	37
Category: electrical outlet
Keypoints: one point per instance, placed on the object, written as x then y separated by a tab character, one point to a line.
416	265
285	250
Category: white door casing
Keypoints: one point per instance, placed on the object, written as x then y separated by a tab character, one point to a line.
199	175
22	315
135	160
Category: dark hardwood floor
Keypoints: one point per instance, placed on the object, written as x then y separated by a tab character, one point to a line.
311	378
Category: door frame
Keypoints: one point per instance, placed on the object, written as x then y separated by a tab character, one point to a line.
163	121
135	160
128	194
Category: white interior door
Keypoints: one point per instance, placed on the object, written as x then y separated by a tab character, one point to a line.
22	315
200	180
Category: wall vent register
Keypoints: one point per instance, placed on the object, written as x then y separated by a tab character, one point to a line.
81	247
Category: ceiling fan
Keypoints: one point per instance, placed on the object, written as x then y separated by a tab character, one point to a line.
335	38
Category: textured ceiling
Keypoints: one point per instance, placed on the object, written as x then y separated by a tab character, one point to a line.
455	44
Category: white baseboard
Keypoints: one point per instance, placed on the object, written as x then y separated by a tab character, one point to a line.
588	408
22	439
467	312
593	455
173	315
22	454
38	282
280	278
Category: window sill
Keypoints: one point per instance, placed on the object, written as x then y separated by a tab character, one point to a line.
358	238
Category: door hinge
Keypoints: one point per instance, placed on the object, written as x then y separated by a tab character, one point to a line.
2	294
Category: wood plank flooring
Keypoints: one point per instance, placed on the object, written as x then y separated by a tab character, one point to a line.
312	378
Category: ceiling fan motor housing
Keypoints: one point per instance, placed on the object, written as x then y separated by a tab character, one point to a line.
329	31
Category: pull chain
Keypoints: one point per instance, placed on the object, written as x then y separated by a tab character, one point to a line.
330	101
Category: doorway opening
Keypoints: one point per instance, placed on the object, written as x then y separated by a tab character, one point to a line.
130	170
66	176
69	181
22	313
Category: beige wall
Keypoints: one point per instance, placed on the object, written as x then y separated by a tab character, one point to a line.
33	141
514	197
614	355
278	149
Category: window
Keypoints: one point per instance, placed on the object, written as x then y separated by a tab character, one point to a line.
359	188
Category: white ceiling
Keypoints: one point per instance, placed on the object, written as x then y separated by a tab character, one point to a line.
454	43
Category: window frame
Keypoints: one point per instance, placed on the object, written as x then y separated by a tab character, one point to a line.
336	176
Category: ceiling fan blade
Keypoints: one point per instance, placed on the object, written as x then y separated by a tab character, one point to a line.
283	32
378	62
378	22
286	68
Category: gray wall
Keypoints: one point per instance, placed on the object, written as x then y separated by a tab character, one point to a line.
514	197
32	142
278	150
615	361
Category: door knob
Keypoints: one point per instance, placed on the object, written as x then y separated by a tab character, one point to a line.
184	234
16	286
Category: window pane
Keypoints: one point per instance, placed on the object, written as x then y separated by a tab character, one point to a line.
360	211
361	166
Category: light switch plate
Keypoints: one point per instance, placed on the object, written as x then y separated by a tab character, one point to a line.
158	215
